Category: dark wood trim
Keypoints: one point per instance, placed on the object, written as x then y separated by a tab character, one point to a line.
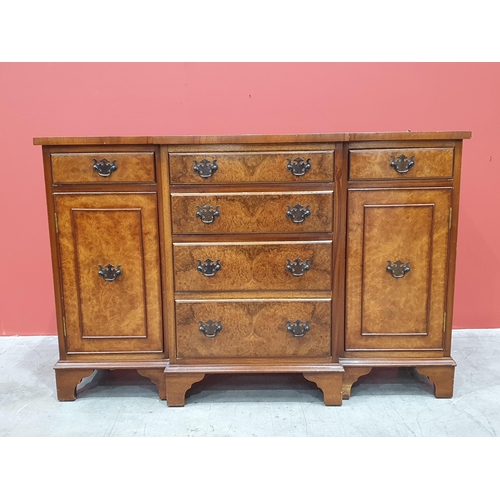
252	138
453	249
54	246
168	285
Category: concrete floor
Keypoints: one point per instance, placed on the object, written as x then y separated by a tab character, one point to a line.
387	402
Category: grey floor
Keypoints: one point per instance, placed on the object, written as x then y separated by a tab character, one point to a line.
387	402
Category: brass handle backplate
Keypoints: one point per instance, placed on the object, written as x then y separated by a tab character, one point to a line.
298	167
298	267
398	269
104	167
109	272
298	213
205	168
210	328
297	328
209	267
402	164
207	213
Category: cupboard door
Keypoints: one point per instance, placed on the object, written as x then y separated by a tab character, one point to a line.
110	269
397	267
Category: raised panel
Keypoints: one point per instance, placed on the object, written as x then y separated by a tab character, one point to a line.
397	263
105	312
283	212
253	328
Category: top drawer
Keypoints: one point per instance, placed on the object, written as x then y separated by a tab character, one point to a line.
416	163
103	167
233	168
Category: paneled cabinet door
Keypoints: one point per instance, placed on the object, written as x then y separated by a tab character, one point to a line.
397	268
110	270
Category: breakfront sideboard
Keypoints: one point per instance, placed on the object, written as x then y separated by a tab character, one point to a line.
321	254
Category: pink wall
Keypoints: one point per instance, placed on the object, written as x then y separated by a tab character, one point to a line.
210	98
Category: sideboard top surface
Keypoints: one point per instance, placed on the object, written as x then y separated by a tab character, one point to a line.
252	139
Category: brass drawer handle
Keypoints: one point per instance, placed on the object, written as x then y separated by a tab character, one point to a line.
298	167
297	328
207	214
210	328
204	168
402	164
109	272
209	267
298	267
298	213
398	269
104	167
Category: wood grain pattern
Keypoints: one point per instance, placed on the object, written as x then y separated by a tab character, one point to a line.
261	266
68	380
387	313
361	312
157	376
442	377
375	164
125	314
351	376
77	168
330	384
251	167
253	328
177	384
254	138
252	213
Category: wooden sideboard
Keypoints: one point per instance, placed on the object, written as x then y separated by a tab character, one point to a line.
321	254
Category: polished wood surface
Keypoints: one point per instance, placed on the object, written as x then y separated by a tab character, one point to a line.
330	384
253	328
342	314
78	168
254	138
442	378
384	312
258	266
260	212
376	164
121	230
68	380
251	167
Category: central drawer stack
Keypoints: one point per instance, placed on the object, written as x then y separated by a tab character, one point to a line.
251	246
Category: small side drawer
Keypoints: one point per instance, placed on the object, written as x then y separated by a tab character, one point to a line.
233	168
253	266
420	163
103	167
285	212
264	328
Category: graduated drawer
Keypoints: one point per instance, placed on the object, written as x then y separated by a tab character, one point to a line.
253	328
252	212
293	166
108	167
416	163
253	266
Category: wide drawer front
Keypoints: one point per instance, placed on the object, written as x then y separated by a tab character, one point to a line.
258	266
252	212
293	166
83	168
401	164
264	328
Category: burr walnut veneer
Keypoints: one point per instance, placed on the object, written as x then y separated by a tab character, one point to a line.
323	254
